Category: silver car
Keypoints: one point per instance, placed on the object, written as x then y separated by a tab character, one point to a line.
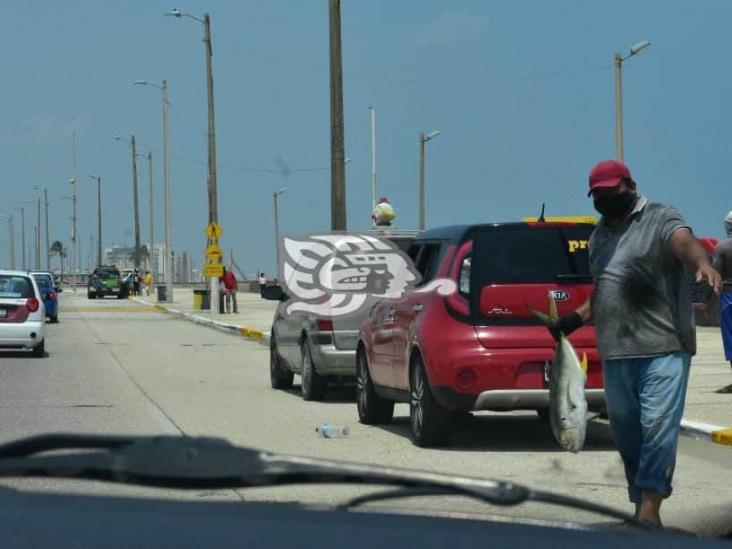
320	350
22	313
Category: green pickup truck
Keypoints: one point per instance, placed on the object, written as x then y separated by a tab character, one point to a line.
106	280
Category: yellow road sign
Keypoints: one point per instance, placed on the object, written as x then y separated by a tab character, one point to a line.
214	231
213	270
213	251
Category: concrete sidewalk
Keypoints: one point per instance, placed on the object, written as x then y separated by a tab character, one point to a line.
707	415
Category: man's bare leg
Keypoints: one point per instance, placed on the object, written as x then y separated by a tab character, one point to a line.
649	508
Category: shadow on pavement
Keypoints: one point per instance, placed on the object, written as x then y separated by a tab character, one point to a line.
21	354
509	433
345	393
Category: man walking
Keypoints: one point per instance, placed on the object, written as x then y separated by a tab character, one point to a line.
642	311
231	288
723	263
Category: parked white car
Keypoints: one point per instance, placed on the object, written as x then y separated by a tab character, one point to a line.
22	313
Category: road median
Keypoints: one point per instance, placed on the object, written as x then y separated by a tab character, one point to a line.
248	332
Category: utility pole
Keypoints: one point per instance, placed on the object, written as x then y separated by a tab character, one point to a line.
38	236
213	215
373	160
98	179
136	206
152	214
337	147
48	248
75	244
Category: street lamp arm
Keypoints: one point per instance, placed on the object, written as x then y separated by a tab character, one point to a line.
179	14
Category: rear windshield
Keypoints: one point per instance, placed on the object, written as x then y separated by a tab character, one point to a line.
44	281
402	243
531	255
12	286
106	274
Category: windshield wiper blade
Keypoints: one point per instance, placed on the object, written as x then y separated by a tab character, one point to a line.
204	462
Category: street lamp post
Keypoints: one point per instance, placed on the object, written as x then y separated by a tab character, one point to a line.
167	259
11	240
48	250
136	205
619	58
212	182
275	194
38	236
98	179
423	138
373	159
23	264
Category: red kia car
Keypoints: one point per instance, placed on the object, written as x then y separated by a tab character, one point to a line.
479	348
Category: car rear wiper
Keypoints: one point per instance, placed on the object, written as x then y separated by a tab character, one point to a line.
573	277
203	462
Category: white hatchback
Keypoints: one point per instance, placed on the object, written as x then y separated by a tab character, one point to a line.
22	313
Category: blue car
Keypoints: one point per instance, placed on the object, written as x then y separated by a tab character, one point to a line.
49	291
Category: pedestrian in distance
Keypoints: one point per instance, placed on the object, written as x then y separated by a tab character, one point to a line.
135	283
222	295
231	287
723	263
643	315
262	283
148	281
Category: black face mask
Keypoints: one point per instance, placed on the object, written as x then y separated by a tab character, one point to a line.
615	206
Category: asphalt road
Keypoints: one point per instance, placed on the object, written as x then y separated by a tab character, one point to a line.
118	367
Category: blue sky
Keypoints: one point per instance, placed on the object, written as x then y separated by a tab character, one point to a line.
521	91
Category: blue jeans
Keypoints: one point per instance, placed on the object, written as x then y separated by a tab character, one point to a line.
645	401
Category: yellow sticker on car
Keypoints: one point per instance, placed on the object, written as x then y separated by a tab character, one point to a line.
575	245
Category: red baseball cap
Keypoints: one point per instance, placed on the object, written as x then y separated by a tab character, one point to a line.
608	174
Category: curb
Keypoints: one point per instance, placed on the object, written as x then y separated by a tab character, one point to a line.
248	332
707	432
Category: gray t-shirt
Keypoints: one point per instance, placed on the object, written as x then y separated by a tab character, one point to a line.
641	304
723	262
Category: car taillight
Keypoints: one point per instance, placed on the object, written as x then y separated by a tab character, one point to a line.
32	304
325	325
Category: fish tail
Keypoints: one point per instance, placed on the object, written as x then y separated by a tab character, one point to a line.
548	319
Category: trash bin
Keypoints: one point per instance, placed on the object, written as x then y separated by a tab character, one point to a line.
201	300
162	293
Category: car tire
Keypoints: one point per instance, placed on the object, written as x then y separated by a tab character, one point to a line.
89	295
372	409
543	414
280	377
39	351
313	384
430	424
